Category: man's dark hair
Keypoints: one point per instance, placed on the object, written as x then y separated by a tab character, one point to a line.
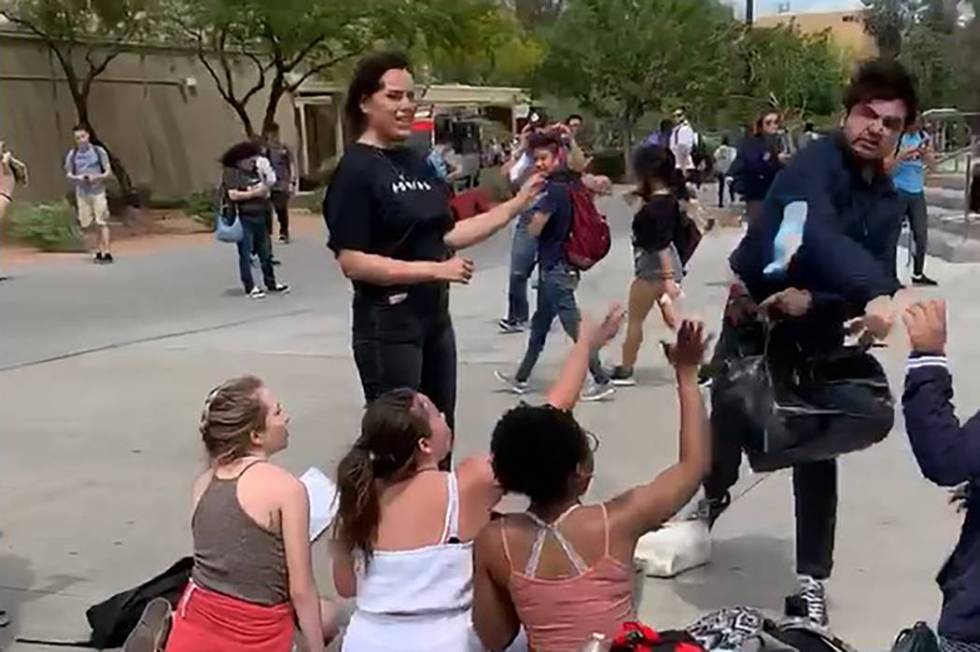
574	116
273	128
808	126
536	452
239	152
81	127
367	82
544	140
883	79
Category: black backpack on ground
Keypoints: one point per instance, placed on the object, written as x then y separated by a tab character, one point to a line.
112	620
918	638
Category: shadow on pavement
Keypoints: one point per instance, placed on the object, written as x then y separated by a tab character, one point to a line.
753	571
15	574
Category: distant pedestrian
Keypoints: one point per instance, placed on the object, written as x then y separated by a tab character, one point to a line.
683	141
87	168
808	136
282	161
908	169
724	157
662	135
247	195
760	158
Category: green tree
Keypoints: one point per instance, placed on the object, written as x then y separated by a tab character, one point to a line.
85	36
624	58
289	41
798	74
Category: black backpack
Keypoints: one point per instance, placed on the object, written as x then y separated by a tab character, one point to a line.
113	619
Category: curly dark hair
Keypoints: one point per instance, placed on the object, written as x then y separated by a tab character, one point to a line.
883	79
367	82
536	451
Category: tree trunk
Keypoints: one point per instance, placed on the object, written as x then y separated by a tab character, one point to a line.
276	91
628	149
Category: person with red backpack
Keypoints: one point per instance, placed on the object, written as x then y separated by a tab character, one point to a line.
572	237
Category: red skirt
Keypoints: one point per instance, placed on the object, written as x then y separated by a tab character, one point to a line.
206	621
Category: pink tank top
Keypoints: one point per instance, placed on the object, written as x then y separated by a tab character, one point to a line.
561	615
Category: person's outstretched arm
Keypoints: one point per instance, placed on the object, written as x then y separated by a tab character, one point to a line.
647	507
947	453
566	390
476	229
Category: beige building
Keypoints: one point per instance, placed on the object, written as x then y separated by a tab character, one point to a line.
159	111
846	28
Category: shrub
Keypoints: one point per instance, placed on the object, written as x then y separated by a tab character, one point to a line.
202	206
47	226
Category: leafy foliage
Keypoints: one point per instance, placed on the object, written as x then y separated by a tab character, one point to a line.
49	227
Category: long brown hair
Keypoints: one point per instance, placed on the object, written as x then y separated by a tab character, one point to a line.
232	412
391	429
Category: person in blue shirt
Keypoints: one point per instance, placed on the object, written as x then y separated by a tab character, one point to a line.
551	224
948	454
908	169
819	255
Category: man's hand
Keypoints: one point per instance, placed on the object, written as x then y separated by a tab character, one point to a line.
791	302
456	270
688	352
926	324
529	191
598	335
740	307
879	317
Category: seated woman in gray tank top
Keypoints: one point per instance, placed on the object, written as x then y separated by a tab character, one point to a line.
253	575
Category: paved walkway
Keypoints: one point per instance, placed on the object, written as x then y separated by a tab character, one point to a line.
103	371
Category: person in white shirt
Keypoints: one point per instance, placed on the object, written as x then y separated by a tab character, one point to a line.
268	175
724	156
683	140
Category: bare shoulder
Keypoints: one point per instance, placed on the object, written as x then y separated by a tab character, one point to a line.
476	470
277	480
488	541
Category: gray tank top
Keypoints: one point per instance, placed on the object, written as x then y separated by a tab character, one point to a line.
233	554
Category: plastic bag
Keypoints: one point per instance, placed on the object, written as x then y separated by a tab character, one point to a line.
676	547
789	408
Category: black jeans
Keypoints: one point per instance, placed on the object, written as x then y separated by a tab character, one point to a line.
406	339
915	210
280	201
814	484
255	240
721	190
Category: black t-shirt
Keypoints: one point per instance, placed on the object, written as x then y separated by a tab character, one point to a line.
655	226
256	209
387	202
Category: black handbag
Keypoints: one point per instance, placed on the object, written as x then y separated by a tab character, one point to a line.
788	407
918	638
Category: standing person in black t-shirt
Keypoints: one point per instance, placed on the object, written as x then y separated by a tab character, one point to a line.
394	237
657	265
551	224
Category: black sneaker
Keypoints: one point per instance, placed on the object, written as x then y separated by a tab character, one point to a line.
276	262
508	327
107	258
98	258
709	509
810	603
923	281
278	288
622	376
283	238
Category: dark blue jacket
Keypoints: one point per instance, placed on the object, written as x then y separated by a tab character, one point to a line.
849	218
949	455
755	167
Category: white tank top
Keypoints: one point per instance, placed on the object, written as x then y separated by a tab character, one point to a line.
436	579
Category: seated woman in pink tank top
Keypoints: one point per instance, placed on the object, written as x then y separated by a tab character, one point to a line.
564	570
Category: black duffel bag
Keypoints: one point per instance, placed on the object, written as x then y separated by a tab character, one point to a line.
789	407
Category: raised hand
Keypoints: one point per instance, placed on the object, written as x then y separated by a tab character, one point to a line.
599	334
530	190
926	324
688	351
456	270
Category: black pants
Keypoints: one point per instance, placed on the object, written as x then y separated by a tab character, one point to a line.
406	340
814	484
721	191
280	201
255	241
914	209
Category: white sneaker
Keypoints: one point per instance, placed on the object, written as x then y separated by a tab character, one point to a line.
256	293
597	392
515	386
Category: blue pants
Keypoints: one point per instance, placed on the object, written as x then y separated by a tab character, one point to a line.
523	257
256	241
556	298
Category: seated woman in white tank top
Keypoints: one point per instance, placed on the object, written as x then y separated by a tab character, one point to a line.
405	530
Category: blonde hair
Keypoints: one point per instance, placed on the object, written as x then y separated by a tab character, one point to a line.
232	412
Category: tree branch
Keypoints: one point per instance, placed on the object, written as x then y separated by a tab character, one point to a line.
320	68
303	53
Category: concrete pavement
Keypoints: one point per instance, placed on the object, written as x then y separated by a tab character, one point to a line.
103	371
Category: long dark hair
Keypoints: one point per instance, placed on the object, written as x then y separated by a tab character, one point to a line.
239	152
655	166
366	82
391	429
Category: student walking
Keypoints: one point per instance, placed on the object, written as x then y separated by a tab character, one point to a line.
908	170
87	168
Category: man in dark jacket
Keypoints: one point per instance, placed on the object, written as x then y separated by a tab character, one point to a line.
818	256
948	454
760	158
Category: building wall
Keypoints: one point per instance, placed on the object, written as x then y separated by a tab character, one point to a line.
168	136
846	27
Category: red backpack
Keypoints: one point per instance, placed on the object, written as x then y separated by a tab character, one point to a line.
637	637
589	239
